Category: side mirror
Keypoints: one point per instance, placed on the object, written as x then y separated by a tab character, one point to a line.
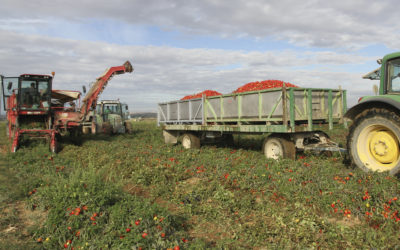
84	89
375	89
9	86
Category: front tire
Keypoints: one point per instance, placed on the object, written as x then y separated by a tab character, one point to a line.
373	141
128	127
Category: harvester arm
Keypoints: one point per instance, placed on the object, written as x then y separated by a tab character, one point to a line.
97	88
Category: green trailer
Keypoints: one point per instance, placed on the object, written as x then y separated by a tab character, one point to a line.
286	115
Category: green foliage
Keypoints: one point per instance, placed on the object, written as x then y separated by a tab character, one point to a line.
88	211
222	197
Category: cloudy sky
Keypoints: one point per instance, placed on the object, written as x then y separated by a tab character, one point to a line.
185	46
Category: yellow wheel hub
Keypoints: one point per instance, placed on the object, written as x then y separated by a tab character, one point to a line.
378	148
383	147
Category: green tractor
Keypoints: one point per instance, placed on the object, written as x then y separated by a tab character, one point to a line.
374	136
112	117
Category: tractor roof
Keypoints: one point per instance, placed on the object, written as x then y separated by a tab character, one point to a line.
391	56
376	74
109	102
373	75
35	76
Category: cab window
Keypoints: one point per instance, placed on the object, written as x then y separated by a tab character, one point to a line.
394	75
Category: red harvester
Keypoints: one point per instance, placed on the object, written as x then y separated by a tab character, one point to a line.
36	111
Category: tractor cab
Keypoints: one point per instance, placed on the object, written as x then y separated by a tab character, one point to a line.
106	108
27	93
388	74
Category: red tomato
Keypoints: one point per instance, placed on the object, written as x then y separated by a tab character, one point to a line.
137	222
267	84
199	95
144	235
128	230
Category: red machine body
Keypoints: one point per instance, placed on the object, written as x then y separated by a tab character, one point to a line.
35	110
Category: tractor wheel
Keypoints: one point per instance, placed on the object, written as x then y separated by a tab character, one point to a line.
373	141
128	127
279	146
190	141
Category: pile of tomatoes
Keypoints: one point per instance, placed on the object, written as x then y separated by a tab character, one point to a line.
267	84
251	86
199	95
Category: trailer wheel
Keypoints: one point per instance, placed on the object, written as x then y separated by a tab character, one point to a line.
373	141
279	146
228	140
190	141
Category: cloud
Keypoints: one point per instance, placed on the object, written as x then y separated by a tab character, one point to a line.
165	73
338	24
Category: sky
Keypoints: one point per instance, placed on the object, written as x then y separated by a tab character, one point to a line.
183	47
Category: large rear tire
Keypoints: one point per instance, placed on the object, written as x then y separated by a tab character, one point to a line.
278	146
373	141
190	141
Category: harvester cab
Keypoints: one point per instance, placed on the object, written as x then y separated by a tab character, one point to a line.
27	101
31	92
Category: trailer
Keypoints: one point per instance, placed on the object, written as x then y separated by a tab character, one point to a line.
287	116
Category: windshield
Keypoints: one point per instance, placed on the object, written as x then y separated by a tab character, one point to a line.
34	94
10	86
111	109
394	75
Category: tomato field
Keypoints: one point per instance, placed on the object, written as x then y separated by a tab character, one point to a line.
135	192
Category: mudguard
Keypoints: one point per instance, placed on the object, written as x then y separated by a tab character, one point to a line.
373	102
